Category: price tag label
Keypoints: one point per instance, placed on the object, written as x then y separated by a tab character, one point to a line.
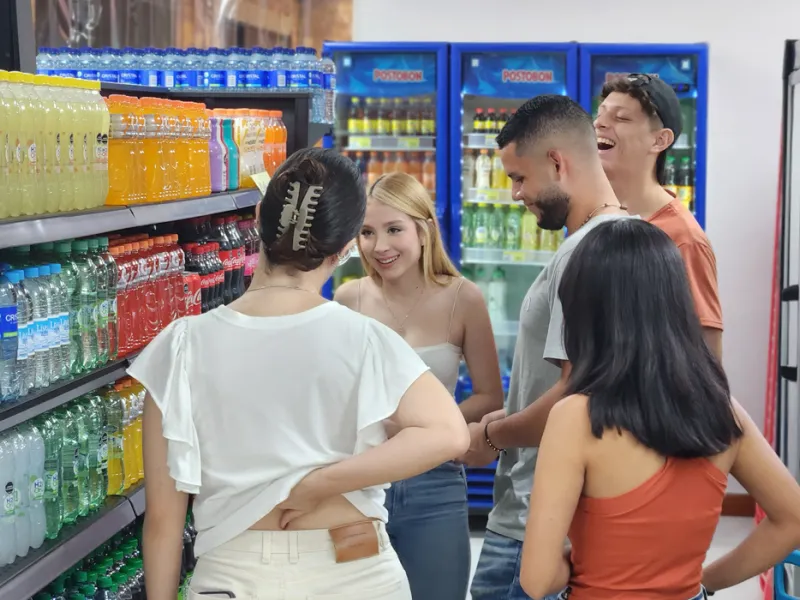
490	141
360	142
409	143
487	195
262	181
513	256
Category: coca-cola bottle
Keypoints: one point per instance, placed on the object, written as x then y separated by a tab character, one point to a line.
239	253
249	263
195	264
226	256
219	272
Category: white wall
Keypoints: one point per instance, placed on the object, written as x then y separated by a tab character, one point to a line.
744	119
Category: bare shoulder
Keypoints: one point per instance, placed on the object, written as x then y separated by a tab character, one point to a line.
347	293
571	415
470	296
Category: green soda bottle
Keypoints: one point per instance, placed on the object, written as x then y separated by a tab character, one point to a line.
97	456
497	219
82	420
52	428
513	228
480	235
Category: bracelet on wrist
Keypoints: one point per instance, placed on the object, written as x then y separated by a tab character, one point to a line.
489	440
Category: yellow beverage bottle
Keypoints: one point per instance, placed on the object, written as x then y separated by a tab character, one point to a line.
203	140
121	151
85	191
25	139
36	149
64	153
500	180
137	436
6	115
153	146
183	150
98	156
50	161
138	125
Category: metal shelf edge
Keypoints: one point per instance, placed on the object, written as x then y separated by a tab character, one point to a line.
60	394
150	214
52	228
137	499
246	198
40	567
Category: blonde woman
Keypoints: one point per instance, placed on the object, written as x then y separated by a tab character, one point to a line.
414	288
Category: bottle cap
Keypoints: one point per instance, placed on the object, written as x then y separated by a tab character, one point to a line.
31	272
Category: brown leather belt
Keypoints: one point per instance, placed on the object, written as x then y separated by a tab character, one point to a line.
355	541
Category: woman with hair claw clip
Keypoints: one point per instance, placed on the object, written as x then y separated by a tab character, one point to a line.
272	411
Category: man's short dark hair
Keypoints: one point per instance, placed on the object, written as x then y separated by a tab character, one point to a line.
545	116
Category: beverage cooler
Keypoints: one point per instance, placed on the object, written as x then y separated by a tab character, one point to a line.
391	115
685	68
494	240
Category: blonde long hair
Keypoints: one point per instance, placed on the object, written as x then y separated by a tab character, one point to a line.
404	193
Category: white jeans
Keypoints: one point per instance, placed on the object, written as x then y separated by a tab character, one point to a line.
296	565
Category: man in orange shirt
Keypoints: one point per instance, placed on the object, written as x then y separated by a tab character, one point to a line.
637	122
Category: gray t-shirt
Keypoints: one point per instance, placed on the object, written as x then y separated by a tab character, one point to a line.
540	347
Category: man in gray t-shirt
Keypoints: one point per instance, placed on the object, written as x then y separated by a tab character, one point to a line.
549	151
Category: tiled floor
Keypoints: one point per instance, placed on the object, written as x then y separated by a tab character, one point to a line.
730	532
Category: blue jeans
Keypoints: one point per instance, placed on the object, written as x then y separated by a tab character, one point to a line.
429	529
497	575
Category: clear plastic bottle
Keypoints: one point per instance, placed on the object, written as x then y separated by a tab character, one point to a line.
112	277
114	410
81	417
23	148
102	299
86	292
69	276
108	71
9	338
329	87
8	551
9	177
96	456
35	485
128	67
26	335
41	359
61	291
22	524
283	58
52	341
52	429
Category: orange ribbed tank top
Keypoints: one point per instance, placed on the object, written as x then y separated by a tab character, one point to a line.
649	543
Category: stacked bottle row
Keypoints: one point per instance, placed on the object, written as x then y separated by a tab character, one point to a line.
59	309
483	170
215	68
490	121
55	135
507	227
162	150
391	116
114	571
62	466
421	166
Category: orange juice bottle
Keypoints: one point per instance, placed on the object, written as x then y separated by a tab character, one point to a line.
429	174
138	125
121	157
203	139
374	169
400	162
415	166
183	150
170	134
154	163
281	137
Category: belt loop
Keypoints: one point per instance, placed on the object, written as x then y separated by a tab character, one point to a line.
294	553
266	547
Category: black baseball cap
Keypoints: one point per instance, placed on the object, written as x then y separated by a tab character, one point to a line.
663	98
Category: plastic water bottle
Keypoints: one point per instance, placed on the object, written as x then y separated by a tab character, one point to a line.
108	69
41	358
112	277
36	487
61	294
51	427
329	87
102	279
63	63
51	326
240	60
169	65
9	338
88	63
95	461
44	61
314	69
297	75
496	301
148	67
71	486
83	423
70	279
190	75
25	334
128	71
22	524
86	292
261	71
8	545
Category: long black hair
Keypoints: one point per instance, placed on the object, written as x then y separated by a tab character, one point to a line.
636	345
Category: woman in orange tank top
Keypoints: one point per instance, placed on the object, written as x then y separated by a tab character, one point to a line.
634	461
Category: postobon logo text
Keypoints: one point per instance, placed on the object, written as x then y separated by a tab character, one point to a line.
397	75
526	76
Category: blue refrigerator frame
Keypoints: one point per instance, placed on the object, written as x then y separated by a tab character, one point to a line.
589	51
441	50
480	481
457	51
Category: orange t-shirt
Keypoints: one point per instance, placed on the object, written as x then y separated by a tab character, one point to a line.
701	264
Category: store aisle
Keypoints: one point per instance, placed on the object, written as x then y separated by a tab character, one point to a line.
730	532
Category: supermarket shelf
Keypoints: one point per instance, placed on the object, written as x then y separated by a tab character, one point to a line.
150	214
137	498
496	256
246	198
479	141
391	143
490	196
27	576
51	228
142	90
33	405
